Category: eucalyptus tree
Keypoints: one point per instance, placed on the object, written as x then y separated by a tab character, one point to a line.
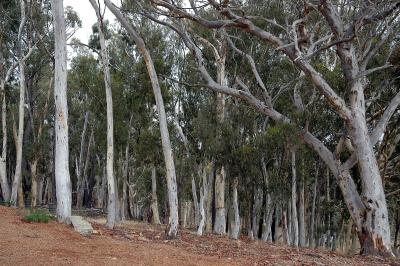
21	110
112	199
301	41
172	227
61	160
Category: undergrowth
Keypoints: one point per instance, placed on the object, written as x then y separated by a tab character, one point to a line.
38	216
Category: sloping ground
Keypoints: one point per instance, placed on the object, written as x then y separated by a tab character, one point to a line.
132	243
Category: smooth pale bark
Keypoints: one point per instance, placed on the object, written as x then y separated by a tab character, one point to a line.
172	227
206	175
154	198
21	110
234	223
269	210
34	184
302	223
195	203
202	213
295	223
209	200
285	228
374	233
220	219
220	211
314	197
63	183
5	187
368	210
257	210
112	186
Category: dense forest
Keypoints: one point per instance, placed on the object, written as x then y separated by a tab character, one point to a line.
277	120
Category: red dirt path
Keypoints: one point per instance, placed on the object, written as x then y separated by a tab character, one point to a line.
134	243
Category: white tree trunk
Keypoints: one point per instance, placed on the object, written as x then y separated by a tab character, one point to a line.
112	186
21	110
302	223
154	198
172	228
374	233
257	210
220	219
314	197
202	214
295	223
234	223
195	202
5	187
63	183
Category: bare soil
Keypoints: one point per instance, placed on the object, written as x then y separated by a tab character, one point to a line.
133	243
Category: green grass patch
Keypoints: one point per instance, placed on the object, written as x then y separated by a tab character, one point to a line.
37	216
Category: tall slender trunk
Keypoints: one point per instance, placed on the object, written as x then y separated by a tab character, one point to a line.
34	184
295	222
63	183
302	223
268	211
5	187
234	223
80	165
21	109
314	197
112	186
154	198
257	210
220	219
209	199
195	202
172	227
206	174
285	227
220	212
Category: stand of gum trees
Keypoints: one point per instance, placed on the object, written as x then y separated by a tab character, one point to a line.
273	120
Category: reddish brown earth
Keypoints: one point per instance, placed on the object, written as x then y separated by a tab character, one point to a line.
133	243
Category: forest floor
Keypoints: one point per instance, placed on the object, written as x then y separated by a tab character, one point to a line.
134	243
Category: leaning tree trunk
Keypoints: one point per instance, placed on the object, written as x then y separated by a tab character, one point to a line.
195	202
172	227
21	110
63	183
112	187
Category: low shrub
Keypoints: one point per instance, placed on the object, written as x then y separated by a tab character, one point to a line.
38	217
5	203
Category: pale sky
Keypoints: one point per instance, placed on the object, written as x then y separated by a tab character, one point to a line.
88	16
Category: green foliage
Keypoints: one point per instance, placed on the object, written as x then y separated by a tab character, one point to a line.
38	216
5	203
